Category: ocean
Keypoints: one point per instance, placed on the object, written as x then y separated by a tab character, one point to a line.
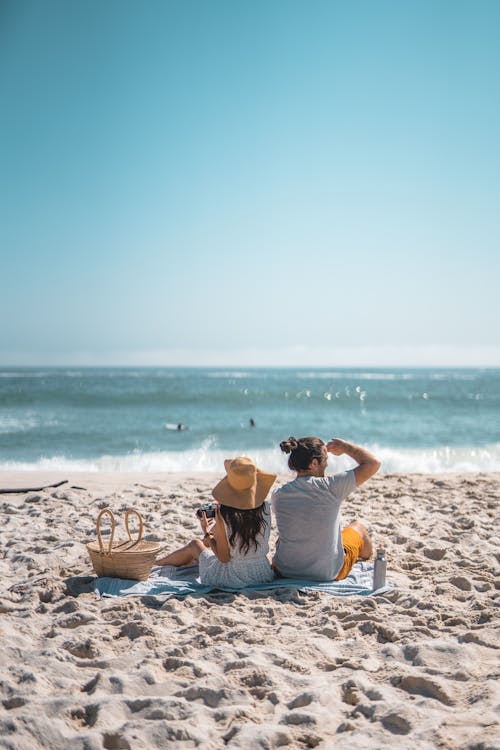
126	419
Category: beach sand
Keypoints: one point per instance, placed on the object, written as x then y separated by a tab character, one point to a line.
415	668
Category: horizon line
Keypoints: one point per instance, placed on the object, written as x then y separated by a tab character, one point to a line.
246	366
316	357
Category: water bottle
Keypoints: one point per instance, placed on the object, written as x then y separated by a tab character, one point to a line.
379	569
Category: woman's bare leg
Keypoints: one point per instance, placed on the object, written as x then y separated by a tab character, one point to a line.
183	556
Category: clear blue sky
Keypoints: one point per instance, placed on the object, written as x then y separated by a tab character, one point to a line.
253	182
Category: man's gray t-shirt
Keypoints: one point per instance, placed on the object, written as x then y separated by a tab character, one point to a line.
307	512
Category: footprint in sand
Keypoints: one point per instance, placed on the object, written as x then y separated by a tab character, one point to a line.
134	630
16	701
75	620
297	718
396	723
156	709
85	649
91	685
238	664
186	666
302	700
115	741
85	716
254	678
210	697
461	582
351	693
435	552
424	686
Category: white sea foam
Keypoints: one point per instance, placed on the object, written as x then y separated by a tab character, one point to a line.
440	459
454	375
15	424
24	374
231	374
29	421
207	459
341	375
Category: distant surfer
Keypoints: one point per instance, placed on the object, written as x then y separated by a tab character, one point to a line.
252	422
178	427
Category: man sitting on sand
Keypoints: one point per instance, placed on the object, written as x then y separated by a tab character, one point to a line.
311	544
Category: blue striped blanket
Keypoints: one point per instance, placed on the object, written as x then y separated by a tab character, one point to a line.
169	581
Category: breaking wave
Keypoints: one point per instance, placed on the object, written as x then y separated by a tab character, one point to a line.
206	459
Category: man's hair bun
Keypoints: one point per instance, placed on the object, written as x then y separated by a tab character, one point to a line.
303	451
287	446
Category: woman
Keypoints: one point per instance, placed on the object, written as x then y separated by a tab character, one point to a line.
234	548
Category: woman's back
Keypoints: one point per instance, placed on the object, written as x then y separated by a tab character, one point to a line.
256	549
245	566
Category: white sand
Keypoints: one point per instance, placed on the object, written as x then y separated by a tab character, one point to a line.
413	669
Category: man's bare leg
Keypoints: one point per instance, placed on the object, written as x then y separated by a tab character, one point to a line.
367	548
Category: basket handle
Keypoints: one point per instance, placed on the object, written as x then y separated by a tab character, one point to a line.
141	524
98	525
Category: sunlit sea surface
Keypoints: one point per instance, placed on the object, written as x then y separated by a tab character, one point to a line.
125	419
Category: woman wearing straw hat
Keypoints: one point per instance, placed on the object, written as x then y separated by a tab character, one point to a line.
234	548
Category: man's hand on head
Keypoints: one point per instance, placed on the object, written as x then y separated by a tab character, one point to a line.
336	446
368	465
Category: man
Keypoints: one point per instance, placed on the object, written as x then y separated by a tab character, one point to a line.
311	543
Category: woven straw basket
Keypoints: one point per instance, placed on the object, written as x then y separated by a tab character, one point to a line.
130	559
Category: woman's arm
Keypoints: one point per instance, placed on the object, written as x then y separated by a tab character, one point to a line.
215	537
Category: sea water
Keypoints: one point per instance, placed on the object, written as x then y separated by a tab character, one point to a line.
125	419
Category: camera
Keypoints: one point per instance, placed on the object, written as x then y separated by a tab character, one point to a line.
208	509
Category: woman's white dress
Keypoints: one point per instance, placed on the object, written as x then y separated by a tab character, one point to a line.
242	569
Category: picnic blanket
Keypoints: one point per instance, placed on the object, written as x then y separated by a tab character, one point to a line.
169	581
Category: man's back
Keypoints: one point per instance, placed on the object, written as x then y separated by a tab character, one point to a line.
307	512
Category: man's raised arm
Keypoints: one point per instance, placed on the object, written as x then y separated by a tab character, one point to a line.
368	464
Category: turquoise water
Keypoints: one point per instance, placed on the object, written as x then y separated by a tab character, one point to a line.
125	418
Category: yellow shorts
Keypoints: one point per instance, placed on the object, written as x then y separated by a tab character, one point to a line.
352	541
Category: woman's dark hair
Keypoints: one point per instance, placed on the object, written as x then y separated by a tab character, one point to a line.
302	451
245	524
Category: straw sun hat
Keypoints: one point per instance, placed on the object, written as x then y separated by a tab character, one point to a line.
245	487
